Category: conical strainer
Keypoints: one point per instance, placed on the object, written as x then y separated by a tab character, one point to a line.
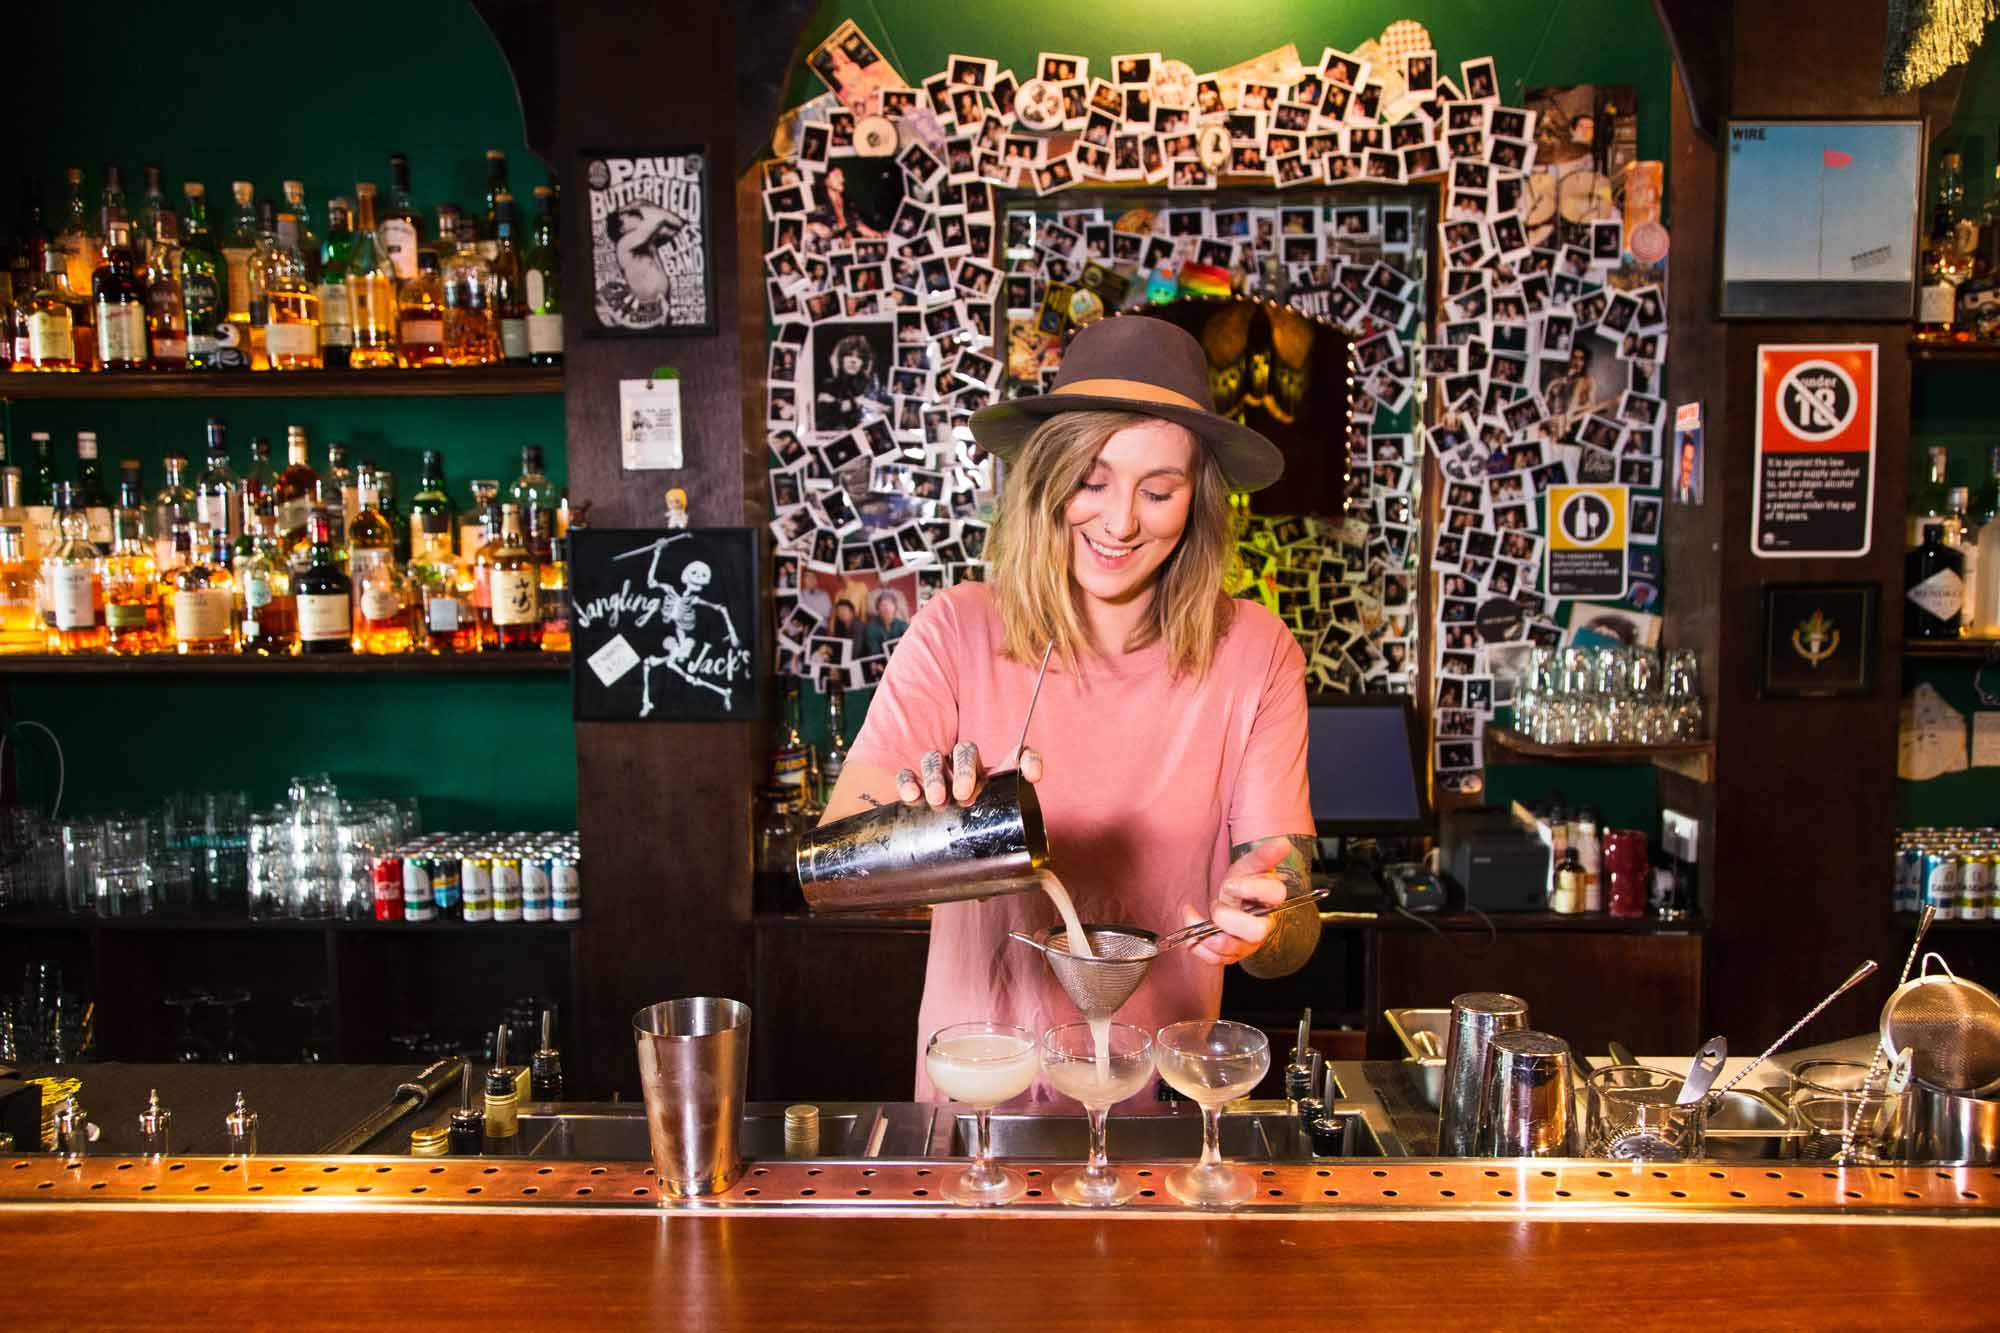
1098	986
1950	1026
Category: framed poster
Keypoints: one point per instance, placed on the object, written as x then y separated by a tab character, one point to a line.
1819	640
650	262
1820	219
1813	481
663	624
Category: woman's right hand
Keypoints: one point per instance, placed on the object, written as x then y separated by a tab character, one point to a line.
938	780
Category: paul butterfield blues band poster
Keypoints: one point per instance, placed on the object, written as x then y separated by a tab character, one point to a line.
649	242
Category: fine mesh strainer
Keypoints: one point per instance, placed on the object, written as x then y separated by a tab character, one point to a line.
1950	1027
1098	986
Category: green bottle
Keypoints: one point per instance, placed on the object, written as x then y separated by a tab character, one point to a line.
431	514
540	271
336	326
204	281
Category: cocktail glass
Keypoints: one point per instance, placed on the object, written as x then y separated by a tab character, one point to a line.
981	1065
1210	1062
1071	1065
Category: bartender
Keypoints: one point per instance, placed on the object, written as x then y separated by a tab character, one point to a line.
1168	747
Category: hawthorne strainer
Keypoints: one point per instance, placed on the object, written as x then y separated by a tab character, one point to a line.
1950	1027
1098	986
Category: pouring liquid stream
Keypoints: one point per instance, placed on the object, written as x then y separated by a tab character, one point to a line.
1100	1028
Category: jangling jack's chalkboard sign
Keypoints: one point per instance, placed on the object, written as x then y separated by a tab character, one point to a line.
663	624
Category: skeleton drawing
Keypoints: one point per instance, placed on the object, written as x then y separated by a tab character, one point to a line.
680	648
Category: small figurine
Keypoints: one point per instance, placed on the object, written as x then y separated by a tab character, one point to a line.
677	508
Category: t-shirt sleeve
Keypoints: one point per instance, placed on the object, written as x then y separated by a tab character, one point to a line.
1271	796
915	708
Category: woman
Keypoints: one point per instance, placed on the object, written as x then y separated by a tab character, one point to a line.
885	626
1168	745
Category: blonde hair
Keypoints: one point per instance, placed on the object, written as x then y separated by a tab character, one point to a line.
1030	553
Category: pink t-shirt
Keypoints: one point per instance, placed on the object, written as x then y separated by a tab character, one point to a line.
1148	782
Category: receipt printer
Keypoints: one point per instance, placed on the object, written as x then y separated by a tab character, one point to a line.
1501	866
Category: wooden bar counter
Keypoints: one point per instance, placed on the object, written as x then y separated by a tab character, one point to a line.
291	1241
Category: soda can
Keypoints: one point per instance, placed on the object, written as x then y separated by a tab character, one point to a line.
388	875
565	888
418	905
445	886
475	879
506	887
1941	871
1975	885
535	887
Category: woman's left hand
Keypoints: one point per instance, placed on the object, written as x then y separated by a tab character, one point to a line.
1251	880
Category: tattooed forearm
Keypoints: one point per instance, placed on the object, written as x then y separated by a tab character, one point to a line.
1294	934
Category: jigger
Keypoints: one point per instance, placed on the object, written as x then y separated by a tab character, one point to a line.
1476	1018
1529	1109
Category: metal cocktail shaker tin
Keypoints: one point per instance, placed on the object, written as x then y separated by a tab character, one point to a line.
1475	1019
900	855
1529	1107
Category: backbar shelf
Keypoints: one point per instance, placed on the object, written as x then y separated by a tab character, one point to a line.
441	382
323	664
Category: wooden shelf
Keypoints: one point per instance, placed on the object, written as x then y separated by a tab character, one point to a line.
1955	356
233	923
323	664
1969	651
443	382
1908	921
1694	760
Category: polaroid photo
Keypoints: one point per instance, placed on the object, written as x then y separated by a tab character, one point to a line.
1643	522
1478	80
971	71
1607	242
1056	67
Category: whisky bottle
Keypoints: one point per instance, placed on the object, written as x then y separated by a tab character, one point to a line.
73	581
446	621
555	589
260	483
471	329
174	505
514	584
121	303
402	227
326	623
336	329
535	496
21	627
473	528
291	295
204	282
204	600
1934	606
52	318
77	239
496	190
91	495
301	234
166	304
218	493
294	492
263	258
542	264
38	497
131	573
1947	258
791	756
379	586
371	289
420	316
338	490
111	204
510	302
266	610
446	244
430	514
1931	501
146	217
239	248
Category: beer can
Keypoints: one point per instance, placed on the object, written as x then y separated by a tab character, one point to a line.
388	876
475	881
418	905
535	887
1975	885
565	888
1909	876
506	887
1941	872
445	886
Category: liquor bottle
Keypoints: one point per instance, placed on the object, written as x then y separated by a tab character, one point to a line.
380	588
342	494
146	217
371	288
542	264
535	496
446	244
1947	258
496	190
514	585
38	497
1965	540
420	316
790	757
78	239
472	526
1986	586
91	494
1929	503
204	283
111	203
336	329
239	244
267	612
52	318
121	303
471	329
402	227
21	626
446	620
173	506
291	295
218	492
166	305
835	758
263	262
260	483
510	301
430	514
1934	606
204	598
294	492
326	622
131	573
301	235
555	589
73	581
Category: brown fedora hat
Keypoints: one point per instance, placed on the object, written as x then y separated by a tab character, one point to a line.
1136	364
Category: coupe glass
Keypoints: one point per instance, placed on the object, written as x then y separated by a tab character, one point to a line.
1070	1063
1212	1061
981	1065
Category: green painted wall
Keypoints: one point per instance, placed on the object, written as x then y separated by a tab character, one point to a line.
273	93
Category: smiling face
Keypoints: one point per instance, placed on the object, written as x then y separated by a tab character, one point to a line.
1128	513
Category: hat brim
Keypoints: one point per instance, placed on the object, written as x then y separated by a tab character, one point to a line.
1249	462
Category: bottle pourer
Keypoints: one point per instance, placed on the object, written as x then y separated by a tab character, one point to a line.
72	1131
153	1123
468	1122
241	1127
1298	1074
545	1079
